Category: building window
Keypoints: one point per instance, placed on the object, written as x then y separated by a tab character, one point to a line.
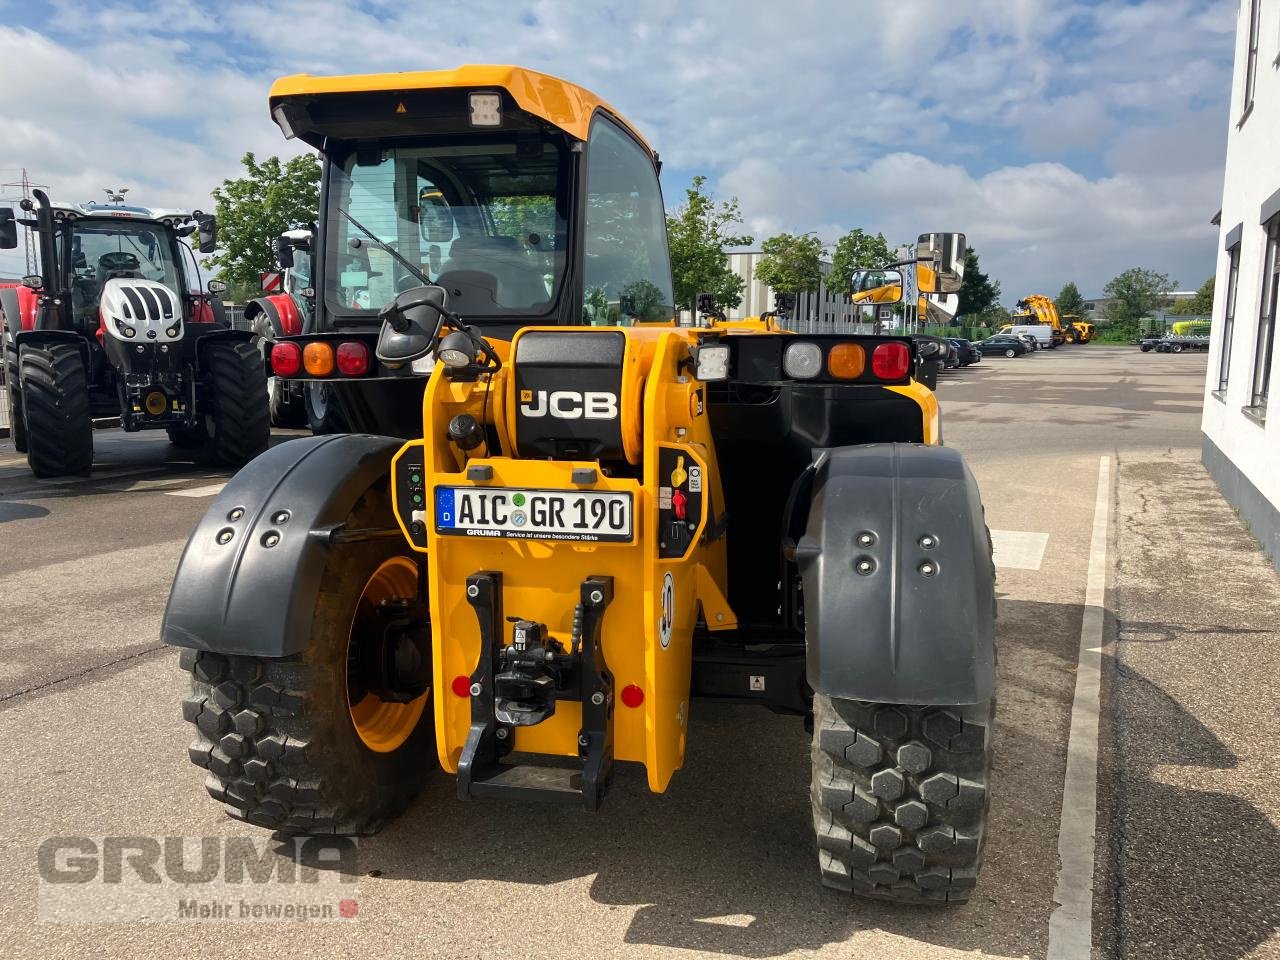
1251	59
1266	318
1229	316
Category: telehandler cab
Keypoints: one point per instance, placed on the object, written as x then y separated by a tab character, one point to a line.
115	325
556	535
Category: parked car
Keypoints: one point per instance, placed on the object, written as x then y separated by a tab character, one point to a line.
967	351
952	359
1029	339
1002	345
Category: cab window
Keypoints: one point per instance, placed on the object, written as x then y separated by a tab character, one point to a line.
627	270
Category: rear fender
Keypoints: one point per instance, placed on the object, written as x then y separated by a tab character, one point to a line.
281	312
243	597
896	633
19	306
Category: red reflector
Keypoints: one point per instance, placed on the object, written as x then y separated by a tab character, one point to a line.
891	361
632	696
353	359
461	686
286	359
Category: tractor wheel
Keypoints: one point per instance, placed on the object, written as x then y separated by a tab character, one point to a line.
295	744
55	404
288	404
17	422
239	422
900	798
324	416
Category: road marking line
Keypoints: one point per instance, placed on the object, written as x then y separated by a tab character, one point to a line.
210	490
1071	922
1018	550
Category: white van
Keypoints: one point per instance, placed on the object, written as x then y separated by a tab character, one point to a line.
1042	332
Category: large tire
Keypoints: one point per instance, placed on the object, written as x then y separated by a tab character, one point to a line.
55	404
277	736
324	416
900	797
239	421
17	421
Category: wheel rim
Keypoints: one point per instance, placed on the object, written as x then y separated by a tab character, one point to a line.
319	399
384	725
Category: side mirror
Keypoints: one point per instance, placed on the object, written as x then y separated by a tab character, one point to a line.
8	229
217	287
33	281
940	262
410	325
875	286
284	253
208	233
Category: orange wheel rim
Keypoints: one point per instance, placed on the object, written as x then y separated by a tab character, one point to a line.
384	725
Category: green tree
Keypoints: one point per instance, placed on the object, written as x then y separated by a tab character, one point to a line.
857	250
1201	305
698	231
792	263
1134	294
253	210
1070	300
979	294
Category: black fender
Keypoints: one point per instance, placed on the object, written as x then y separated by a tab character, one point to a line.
235	594
204	337
891	615
43	338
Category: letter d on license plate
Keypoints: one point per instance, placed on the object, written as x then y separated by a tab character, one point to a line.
534	514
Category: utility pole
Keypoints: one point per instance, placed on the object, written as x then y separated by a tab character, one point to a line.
27	186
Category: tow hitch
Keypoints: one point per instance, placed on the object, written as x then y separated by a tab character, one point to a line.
517	685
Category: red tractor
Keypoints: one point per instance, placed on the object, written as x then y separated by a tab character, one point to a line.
290	312
112	326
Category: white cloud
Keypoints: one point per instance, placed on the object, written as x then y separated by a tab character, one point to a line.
1063	155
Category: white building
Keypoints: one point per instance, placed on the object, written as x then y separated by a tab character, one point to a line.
1241	443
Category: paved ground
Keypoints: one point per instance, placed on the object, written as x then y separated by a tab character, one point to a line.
92	743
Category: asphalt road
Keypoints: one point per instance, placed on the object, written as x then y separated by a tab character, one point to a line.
92	743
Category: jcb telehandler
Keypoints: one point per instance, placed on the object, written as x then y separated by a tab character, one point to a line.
114	324
595	518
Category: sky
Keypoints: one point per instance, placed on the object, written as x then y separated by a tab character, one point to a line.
1069	140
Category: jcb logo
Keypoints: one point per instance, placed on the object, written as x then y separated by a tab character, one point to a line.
569	404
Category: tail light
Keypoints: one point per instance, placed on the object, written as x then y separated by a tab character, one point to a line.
286	359
846	361
353	359
891	361
317	358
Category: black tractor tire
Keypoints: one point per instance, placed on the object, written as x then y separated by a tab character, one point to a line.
324	416
55	405
17	421
288	404
276	736
239	421
900	798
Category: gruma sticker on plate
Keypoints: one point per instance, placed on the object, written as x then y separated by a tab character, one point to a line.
533	514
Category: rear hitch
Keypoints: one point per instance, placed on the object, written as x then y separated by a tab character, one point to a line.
518	685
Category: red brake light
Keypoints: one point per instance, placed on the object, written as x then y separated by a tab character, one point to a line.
891	361
286	359
353	359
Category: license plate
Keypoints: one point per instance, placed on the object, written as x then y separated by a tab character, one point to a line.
534	514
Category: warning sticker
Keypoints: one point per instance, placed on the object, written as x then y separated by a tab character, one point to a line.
695	479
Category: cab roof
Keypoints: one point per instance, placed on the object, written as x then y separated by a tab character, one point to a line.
559	102
165	215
